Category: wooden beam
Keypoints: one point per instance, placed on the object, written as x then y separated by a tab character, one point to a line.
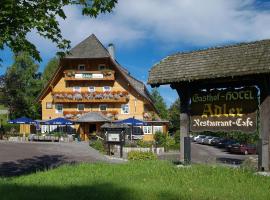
264	155
184	94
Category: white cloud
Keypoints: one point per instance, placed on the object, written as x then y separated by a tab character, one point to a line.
191	22
196	22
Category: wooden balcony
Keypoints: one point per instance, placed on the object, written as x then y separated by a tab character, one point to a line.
72	75
91	97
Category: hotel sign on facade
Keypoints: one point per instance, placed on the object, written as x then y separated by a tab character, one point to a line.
224	110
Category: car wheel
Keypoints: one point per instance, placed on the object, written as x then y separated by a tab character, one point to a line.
246	152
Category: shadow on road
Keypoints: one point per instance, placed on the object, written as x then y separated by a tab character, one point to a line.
230	161
31	165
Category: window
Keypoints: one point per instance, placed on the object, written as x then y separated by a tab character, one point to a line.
81	67
49	105
76	89
137	130
106	88
103	107
44	128
58	108
102	67
124	109
147	129
158	129
91	88
80	107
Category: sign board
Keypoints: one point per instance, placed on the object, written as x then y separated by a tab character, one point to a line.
224	110
78	76
97	75
87	75
113	137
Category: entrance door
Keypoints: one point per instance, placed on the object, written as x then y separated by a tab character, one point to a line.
92	131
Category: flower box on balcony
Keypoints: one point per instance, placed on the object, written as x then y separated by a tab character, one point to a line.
91	97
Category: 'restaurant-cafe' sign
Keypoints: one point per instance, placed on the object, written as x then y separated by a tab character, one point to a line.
224	110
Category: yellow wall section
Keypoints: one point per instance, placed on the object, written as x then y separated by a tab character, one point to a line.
136	102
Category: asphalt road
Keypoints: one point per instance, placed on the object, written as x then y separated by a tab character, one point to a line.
18	158
208	154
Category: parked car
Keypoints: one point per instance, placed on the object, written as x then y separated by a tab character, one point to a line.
200	139
195	139
223	142
243	148
229	143
207	139
212	139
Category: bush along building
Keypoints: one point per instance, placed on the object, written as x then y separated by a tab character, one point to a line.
92	88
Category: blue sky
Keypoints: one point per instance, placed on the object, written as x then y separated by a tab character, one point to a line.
146	31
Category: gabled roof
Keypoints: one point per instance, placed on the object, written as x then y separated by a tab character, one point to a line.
91	47
93	117
227	61
136	84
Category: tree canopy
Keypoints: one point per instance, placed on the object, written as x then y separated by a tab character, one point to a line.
49	70
159	103
174	116
19	17
22	86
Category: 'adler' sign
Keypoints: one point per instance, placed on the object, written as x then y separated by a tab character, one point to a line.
224	110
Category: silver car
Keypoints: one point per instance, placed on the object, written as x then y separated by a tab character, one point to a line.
207	139
200	139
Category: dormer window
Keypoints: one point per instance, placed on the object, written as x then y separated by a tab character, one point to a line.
81	67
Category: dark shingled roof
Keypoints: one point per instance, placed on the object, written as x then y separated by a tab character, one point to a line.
91	47
228	61
114	125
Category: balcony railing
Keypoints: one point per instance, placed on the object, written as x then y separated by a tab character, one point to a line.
91	97
71	75
76	114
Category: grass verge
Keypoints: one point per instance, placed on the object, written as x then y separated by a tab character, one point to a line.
137	180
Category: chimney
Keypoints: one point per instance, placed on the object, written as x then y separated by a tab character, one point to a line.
111	50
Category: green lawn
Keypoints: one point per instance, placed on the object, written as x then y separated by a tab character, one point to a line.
137	180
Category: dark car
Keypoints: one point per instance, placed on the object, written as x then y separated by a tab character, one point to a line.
221	143
243	148
229	143
226	143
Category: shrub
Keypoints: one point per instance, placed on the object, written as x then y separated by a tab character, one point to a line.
144	144
164	140
11	128
159	138
98	145
177	137
168	142
137	155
